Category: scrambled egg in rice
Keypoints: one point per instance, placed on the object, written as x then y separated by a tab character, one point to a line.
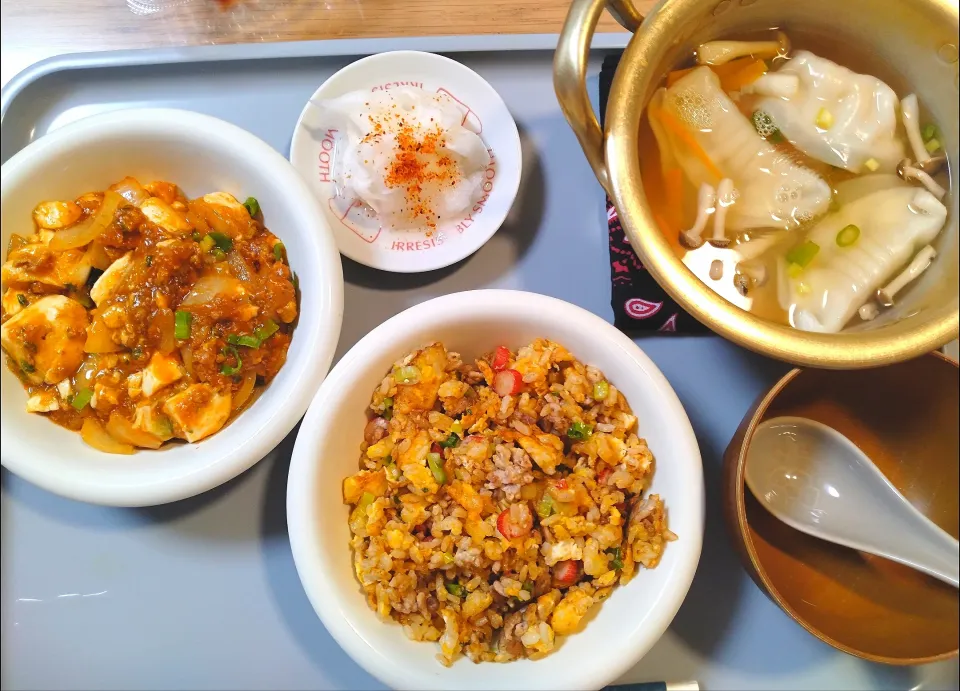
498	501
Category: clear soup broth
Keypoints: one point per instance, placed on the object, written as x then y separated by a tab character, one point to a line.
797	177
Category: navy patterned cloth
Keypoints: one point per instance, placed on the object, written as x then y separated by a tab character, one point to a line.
639	303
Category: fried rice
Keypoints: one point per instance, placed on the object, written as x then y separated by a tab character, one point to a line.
498	501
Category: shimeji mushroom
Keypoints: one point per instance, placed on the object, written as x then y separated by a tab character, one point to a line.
907	171
716	269
722	52
868	311
706	198
917	266
749	274
910	113
725	199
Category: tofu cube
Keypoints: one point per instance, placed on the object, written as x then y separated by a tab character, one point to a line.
46	339
162	371
198	411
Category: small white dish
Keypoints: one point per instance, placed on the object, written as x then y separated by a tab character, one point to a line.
201	154
411	251
618	632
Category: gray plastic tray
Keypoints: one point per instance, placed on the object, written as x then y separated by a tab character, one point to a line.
204	593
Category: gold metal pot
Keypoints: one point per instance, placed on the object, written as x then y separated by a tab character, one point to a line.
919	38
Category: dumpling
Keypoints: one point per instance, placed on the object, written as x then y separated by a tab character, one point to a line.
700	130
838	116
895	220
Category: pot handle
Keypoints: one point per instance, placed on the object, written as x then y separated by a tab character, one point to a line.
570	74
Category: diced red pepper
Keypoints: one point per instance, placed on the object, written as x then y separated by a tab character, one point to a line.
566	573
507	382
501	358
435	448
515	521
603	475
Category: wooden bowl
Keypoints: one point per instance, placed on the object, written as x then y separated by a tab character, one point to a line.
905	418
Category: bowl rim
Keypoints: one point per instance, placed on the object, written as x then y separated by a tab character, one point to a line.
249	445
896	342
488	224
744	537
303	528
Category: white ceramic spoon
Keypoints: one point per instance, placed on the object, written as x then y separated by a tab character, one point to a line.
814	479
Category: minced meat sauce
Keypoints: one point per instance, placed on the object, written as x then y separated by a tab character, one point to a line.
136	315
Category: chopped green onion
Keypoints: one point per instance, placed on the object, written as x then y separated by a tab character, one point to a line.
848	235
449	442
803	253
164	425
27	367
545	507
617	561
435	461
243	340
264	332
81	399
388	407
221	240
278	251
408	374
457	428
219	255
872	164
928	132
359	515
149	260
456	589
824	119
932	145
253	206
765	127
794	270
579	431
366	499
528	586
601	390
22	299
228	369
136	353
181	324
196	236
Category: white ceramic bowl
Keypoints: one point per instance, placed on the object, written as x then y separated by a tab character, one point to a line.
201	154
623	628
409	251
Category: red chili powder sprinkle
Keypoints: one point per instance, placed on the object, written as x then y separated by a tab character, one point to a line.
416	167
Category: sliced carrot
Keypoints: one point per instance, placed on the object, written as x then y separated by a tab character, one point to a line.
677	75
671	123
745	74
733	75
